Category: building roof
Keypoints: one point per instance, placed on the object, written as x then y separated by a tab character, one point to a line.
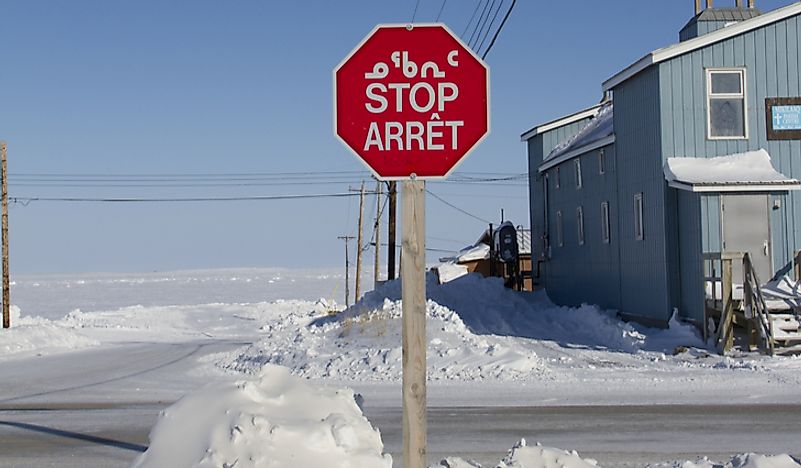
742	172
727	14
560	122
599	132
691	45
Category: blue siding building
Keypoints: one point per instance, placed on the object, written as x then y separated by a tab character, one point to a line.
695	148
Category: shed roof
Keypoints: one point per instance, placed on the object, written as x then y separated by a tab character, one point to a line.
741	172
560	122
691	45
727	14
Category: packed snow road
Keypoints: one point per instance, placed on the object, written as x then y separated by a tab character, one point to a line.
110	435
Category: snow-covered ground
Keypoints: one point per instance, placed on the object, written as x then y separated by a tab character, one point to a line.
487	346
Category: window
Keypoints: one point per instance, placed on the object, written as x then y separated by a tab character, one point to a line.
580	224
639	229
557	178
560	240
726	109
601	162
578	173
605	222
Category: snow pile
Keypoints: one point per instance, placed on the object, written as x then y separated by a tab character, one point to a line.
746	460
523	456
477	330
753	167
40	335
274	421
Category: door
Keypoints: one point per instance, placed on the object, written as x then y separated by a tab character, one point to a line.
746	228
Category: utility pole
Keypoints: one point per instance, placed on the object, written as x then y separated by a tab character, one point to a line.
377	234
393	212
4	202
347	239
359	248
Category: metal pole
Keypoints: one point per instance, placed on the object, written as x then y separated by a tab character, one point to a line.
4	202
359	248
377	263
414	324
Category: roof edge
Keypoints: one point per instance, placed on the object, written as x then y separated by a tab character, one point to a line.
577	152
562	121
666	53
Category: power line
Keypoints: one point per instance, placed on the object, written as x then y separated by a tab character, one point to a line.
26	200
506	17
483	22
440	10
467	26
478	21
489	28
456	207
414	14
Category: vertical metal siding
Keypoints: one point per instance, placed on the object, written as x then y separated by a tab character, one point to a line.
770	56
645	272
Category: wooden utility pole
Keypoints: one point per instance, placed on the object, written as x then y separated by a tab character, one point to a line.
392	193
413	250
377	234
359	248
347	239
4	202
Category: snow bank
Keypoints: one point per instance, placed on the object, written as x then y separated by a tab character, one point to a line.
523	456
40	335
476	330
747	460
274	421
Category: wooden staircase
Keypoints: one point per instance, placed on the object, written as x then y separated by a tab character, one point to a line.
771	317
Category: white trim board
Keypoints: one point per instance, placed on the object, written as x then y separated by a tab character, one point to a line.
682	48
723	188
576	152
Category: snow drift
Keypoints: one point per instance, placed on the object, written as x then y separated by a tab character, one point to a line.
477	330
275	421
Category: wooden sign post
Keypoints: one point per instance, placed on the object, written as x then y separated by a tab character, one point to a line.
413	259
4	227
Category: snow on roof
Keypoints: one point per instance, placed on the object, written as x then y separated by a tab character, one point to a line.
691	45
751	171
599	132
561	122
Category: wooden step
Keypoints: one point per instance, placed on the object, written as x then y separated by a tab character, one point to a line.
785	322
786	337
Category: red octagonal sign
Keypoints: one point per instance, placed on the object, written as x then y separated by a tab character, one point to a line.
411	101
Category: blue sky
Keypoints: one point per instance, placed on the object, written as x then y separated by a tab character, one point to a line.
213	87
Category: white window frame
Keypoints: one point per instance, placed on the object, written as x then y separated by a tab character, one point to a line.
601	162
577	165
580	224
639	225
742	95
606	235
560	235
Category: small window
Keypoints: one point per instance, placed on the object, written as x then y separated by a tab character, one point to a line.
726	109
557	180
580	224
578	173
560	240
601	162
639	229
605	222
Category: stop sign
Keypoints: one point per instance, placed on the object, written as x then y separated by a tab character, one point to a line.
411	100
